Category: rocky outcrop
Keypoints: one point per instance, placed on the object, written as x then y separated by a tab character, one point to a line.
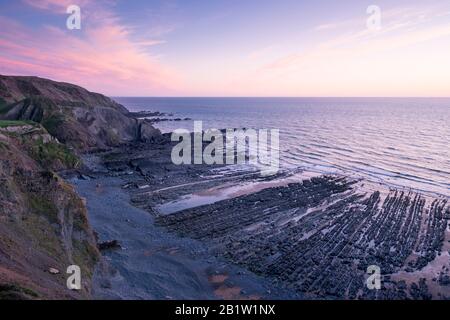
43	222
75	116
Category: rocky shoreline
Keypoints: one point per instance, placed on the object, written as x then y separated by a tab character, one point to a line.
191	231
152	263
314	237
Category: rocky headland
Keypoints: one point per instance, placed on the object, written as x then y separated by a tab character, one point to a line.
80	119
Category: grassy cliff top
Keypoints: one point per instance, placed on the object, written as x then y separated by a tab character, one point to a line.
15	123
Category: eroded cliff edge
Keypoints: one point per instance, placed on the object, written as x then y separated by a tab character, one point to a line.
44	126
75	116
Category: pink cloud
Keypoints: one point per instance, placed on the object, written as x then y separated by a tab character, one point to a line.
58	6
101	57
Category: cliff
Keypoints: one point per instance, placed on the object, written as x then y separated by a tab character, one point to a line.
81	119
44	226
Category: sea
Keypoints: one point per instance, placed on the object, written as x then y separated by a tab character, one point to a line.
399	142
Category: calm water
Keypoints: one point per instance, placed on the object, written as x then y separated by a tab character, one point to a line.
400	142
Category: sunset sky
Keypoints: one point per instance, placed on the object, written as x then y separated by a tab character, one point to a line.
232	47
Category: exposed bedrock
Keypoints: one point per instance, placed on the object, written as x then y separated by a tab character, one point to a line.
75	116
317	236
320	236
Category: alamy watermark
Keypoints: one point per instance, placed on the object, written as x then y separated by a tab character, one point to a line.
74	280
258	147
373	22
373	281
73	22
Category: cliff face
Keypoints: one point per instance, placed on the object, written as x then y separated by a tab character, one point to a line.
43	222
75	116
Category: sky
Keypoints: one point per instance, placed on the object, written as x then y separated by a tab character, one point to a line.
224	48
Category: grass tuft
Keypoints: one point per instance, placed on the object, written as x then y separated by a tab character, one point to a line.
15	123
48	154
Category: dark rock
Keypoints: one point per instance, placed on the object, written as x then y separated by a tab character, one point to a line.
109	245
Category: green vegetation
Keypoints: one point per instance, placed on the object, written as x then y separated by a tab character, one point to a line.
42	231
16	292
15	123
52	123
52	154
85	255
44	207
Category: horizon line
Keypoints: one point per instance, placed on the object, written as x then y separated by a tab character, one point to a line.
286	97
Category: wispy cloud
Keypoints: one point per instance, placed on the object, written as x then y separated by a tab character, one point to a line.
326	26
57	6
102	55
163	49
406	57
401	27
